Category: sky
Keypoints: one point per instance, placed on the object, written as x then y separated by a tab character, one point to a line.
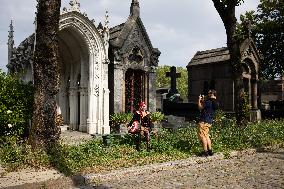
177	28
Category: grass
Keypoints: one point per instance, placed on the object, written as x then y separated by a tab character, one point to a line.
94	156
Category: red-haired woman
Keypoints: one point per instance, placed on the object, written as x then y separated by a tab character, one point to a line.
142	117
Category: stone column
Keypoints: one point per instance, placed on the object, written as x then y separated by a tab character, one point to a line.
83	109
255	112
118	88
254	94
105	111
93	94
152	91
106	127
73	101
249	91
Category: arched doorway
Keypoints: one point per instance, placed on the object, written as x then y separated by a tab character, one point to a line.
74	63
250	82
84	65
134	89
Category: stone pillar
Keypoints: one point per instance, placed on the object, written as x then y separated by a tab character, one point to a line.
105	111
100	105
83	109
106	127
254	94
93	94
255	112
73	101
152	91
119	78
249	92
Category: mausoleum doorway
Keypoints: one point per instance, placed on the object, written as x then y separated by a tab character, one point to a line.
135	89
73	83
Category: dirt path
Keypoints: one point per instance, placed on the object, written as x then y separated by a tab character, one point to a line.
246	169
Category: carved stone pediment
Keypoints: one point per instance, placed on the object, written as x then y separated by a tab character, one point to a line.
135	56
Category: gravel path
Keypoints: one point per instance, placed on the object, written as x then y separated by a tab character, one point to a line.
244	169
248	169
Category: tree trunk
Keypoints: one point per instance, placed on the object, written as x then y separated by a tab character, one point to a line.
44	131
227	14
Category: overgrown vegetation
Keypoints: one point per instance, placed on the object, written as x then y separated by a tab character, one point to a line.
16	100
94	156
118	118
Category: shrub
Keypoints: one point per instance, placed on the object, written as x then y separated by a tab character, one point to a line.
118	118
157	116
16	154
16	100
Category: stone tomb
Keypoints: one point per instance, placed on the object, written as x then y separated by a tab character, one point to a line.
173	104
103	70
212	69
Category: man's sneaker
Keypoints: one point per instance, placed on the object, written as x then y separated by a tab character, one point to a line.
204	154
210	153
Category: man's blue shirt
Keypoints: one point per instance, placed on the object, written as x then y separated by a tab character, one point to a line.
208	112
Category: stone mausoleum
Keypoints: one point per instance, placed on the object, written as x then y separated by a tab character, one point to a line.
102	70
211	69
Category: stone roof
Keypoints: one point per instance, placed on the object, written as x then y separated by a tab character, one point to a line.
119	33
210	56
115	32
22	55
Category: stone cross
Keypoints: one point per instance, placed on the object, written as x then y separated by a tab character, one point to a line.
173	75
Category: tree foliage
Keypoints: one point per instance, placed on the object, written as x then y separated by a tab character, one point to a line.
165	82
268	33
16	104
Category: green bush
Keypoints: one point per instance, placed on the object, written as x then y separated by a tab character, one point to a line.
157	116
118	118
15	154
16	99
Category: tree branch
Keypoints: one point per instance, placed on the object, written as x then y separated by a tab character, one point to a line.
220	7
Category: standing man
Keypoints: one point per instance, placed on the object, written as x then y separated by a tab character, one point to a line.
207	107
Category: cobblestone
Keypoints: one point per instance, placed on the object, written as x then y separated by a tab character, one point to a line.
247	169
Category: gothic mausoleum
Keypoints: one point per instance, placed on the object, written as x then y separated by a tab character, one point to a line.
102	70
212	69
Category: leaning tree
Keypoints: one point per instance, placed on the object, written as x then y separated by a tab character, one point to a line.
44	130
226	10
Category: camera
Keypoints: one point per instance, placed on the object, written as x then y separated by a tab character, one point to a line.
201	97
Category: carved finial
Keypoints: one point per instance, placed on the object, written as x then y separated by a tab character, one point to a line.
75	6
106	34
135	9
10	46
11	35
106	20
100	26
